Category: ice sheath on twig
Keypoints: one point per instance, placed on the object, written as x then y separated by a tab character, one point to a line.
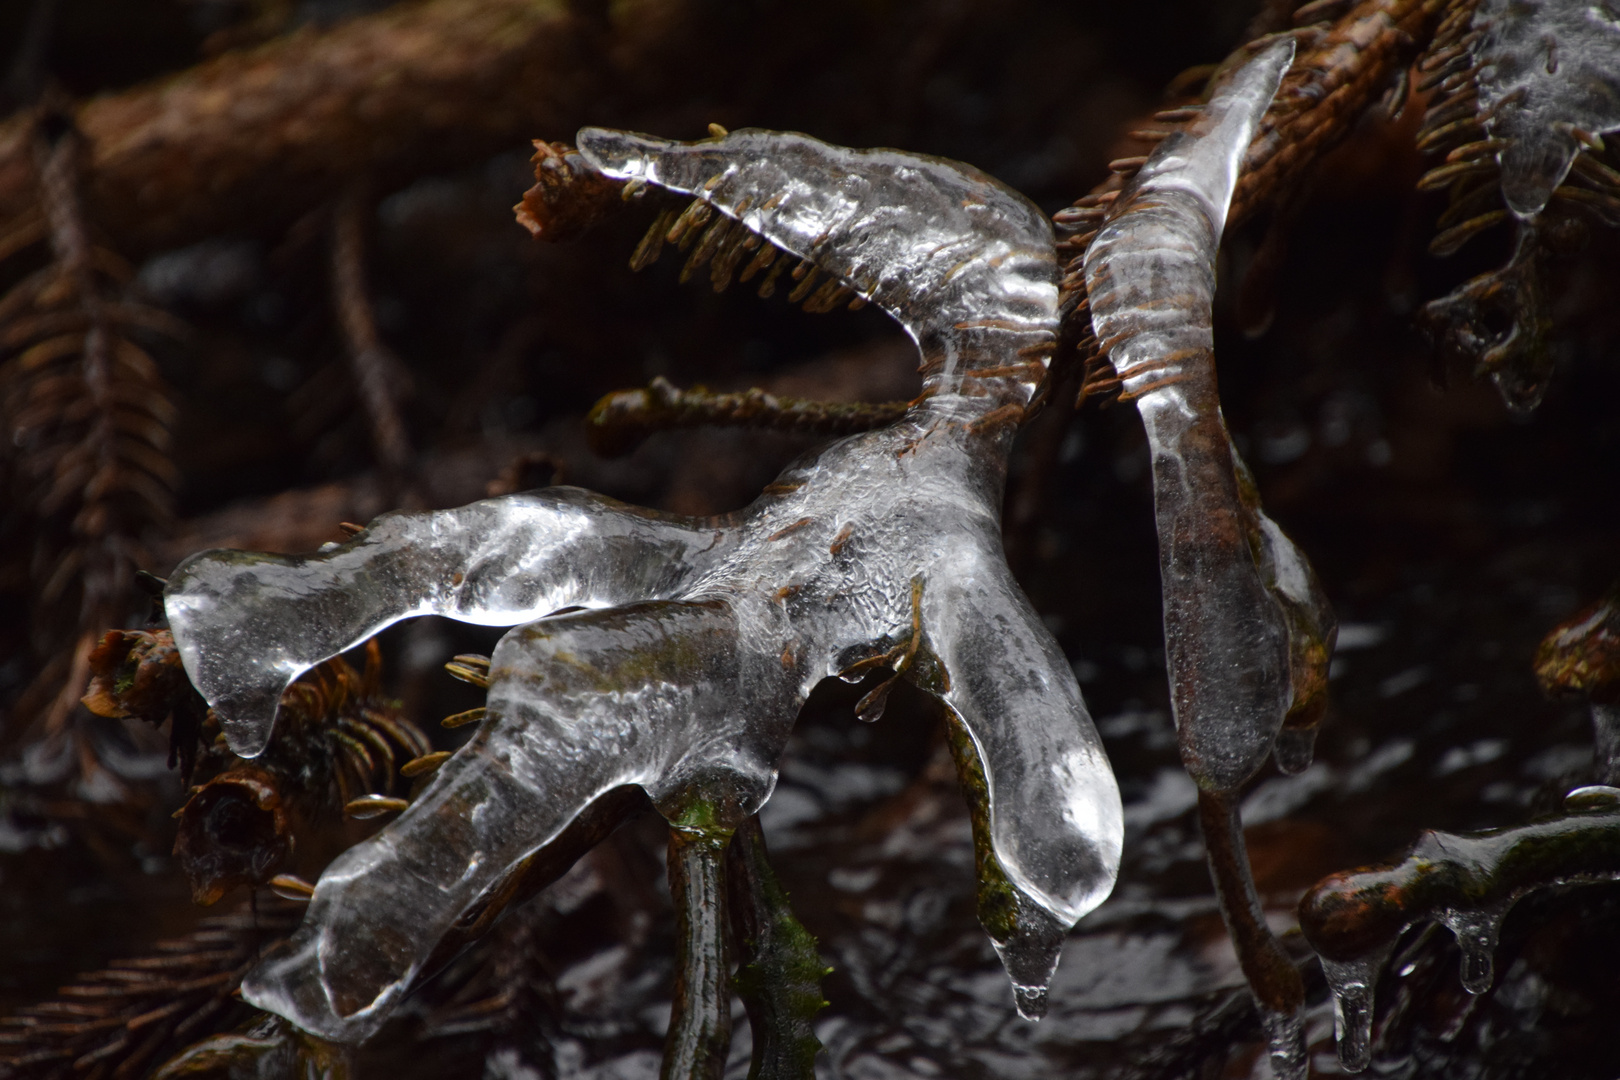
1247	630
701	638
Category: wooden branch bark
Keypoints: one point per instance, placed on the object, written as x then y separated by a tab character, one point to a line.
252	139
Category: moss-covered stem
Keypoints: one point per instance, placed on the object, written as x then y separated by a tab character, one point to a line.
780	970
700	1023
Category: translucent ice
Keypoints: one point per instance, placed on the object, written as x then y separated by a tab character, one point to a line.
1247	631
702	637
1549	67
1351	983
1468	882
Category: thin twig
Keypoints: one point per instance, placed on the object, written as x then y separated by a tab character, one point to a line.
378	374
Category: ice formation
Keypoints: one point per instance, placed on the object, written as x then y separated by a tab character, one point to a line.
1549	69
701	638
1523	93
1467	882
1247	630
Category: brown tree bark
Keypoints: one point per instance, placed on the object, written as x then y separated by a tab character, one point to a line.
252	139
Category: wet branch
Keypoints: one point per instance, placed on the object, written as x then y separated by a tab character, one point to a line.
621	420
1272	976
700	1025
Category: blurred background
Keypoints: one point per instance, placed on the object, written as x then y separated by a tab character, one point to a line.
262	184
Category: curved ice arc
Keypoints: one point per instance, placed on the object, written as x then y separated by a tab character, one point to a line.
962	262
1547	68
247	624
1151	278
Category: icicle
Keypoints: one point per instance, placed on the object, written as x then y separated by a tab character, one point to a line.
1285	1036
1030	956
1467	882
1352	983
1606	741
682	649
1476	930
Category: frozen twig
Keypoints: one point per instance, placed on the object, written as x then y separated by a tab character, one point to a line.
622	419
673	653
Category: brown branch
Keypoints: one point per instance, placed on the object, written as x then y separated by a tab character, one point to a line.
700	1023
253	139
619	421
141	1009
1272	976
86	422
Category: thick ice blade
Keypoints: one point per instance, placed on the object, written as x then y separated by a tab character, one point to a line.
247	624
964	263
1151	278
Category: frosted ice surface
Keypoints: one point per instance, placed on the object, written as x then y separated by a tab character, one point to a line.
1237	593
247	624
703	637
1548	66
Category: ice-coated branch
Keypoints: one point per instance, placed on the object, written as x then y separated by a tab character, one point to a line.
700	1023
1247	630
1522	95
963	263
621	420
494	563
1550	81
701	638
1468	881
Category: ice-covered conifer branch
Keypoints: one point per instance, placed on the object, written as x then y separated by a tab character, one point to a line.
673	653
1247	631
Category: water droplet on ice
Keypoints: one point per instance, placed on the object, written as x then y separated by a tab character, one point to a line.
1294	749
1031	1001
